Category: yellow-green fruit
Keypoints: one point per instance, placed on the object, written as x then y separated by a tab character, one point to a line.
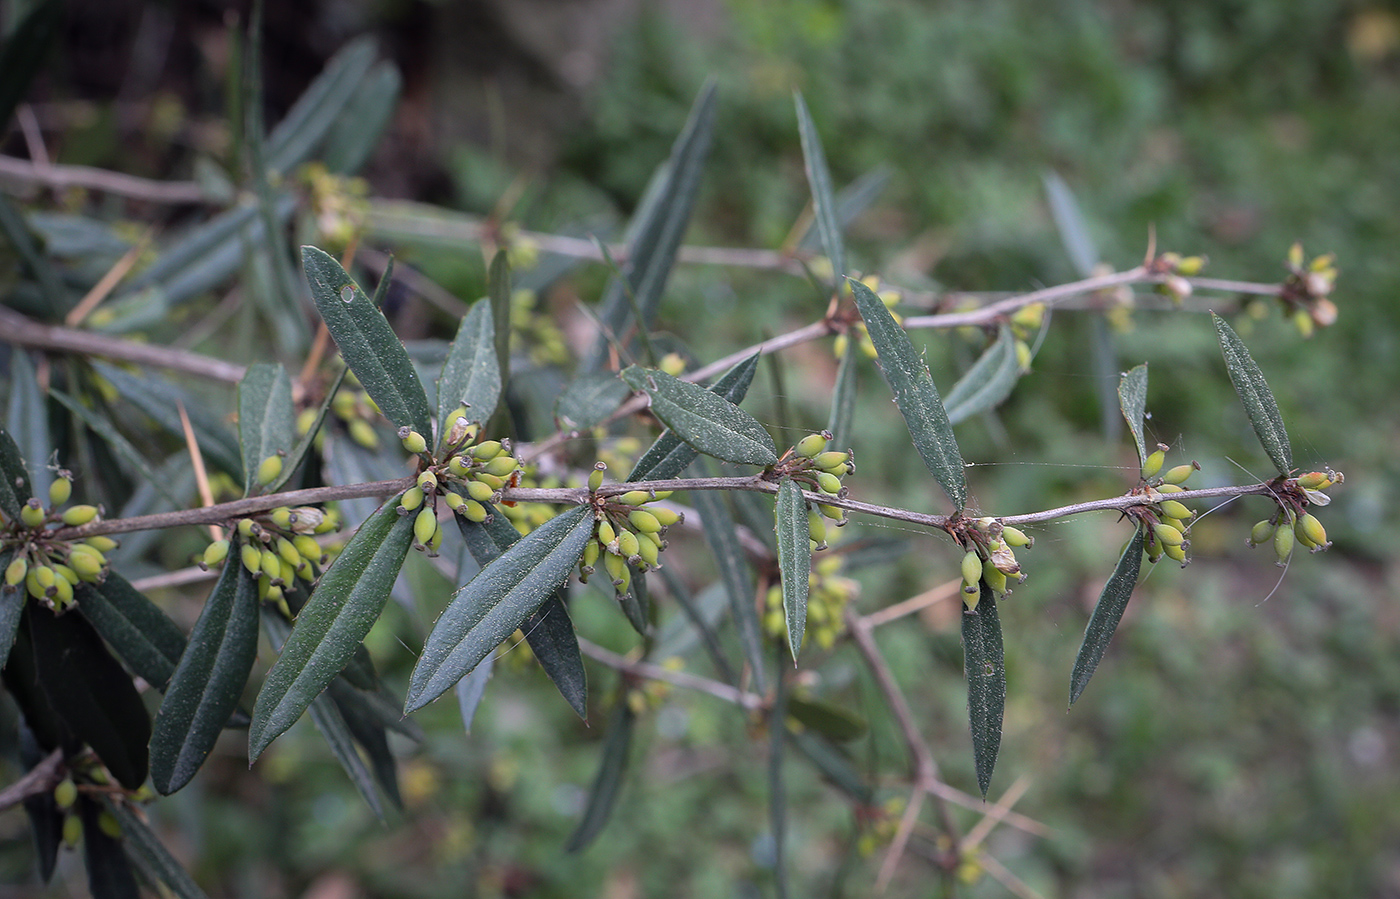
108	824
1283	542
1170	488
305	419
65	794
835	513
88	563
831	460
1312	529
501	466
666	516
486	450
60	491
828	482
72	831
1016	537
330	521
1179	474
808	447
289	553
606	533
309	548
32	584
424	526
633	498
412	498
650	553
595	477
1173	509
627	544
102	543
971	571
1153	463
435	542
66	573
1175	552
474	511
1168	535
816	528
427	481
458	466
245	527
616	568
591	551
1262	532
74	516
283	518
363	433
1023	356
480	492
62	593
32	513
413	441
490	480
643	520
1314	480
305	571
454	500
994	577
15	573
251	557
271	565
269	469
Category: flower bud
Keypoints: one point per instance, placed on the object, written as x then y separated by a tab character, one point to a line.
424	525
1153	463
269	470
412	441
60	491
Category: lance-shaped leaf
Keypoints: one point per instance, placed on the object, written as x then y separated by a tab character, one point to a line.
28	422
470	690
496	601
721	534
209	680
297	455
589	399
370	347
1069	221
347	602
915	394
90	692
14	479
471	376
266	419
819	179
843	398
608	782
831	721
331	724
318	109
357	131
142	842
670	455
1107	613
102	426
549	631
984	666
52	300
373	737
143	636
777	789
794	559
1255	395
988	382
1132	399
498	291
11	608
709	423
108	869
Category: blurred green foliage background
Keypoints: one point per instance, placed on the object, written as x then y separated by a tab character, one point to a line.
1229	745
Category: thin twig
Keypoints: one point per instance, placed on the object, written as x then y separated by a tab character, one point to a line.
977	803
995	814
40	779
684	679
59	177
1003	875
942	593
105	285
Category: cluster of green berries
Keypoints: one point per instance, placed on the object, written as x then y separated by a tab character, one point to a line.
828	594
357	412
277	547
990	558
1166	520
1177	269
628	530
49	569
86	770
812	464
1305	296
1293	524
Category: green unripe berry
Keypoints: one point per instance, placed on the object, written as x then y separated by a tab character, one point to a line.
108	824
87	563
65	794
282	517
994	576
289	553
309	548
501	466
31	583
1262	532
1283	542
454	500
16	571
1168	535
617	570
1311	529
627	544
72	831
435	542
634	498
102	543
269	470
363	433
1175	552
816	528
835	513
606	533
480	492
666	516
75	516
412	441
458	466
412	498
1170	488
251	558
474	511
1314	480
808	447
1173	509
828	483
591	551
643	520
595	477
424	526
60	491
427	481
62	593
650	553
486	450
330	521
971	571
1153	463
1180	473
490	480
66	573
1016	537
32	513
271	565
245	527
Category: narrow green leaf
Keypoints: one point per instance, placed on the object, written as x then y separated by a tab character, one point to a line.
831	721
471	376
206	255
23	54
1132	399
1103	362
471	688
369	345
608	782
331	724
657	230
669	455
14	477
143	636
108	869
305	126
984	666
1255	395
210	678
266	417
357	131
91	692
307	441
11	608
851	201
819	179
373	737
380	706
988	382
28	423
1107	613
549	631
161	399
142	842
843	397
496	601
777	790
834	764
794	559
634	603
915	394
328	631
701	614
98	422
709	423
499	293
589	399
1074	232
54	298
720	533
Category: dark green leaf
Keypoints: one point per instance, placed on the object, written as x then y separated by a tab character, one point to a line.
655	234
819	179
91	692
347	602
988	382
794	559
14	478
471	688
28	422
709	423
1255	395
16	230
1074	233
206	255
831	721
1103	358
589	399
608	783
378	705
499	293
143	636
984	666
356	133
210	678
496	602
720	533
669	455
843	397
11	608
834	765
634	603
1132	399
471	376
142	842
851	201
331	724
46	826
373	737
266	418
369	345
24	52
915	394
316	111
777	791
307	440
102	426
160	399
1107	613
108	869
